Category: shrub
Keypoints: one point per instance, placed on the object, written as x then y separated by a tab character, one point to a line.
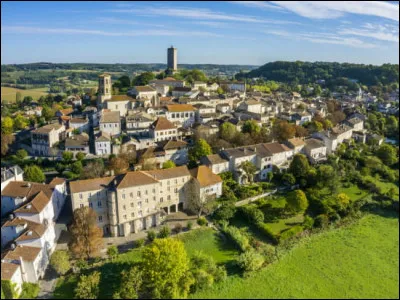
112	252
82	264
241	241
250	261
252	213
269	253
177	228
202	221
321	221
151	235
308	222
165	231
189	225
21	154
29	290
60	261
139	243
225	212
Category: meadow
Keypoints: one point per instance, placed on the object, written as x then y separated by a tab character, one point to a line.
359	261
9	93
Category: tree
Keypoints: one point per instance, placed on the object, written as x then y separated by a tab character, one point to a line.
77	167
6	141
118	165
300	131
251	127
270	175
130	285
297	201
93	169
18	97
48	113
327	177
20	122
227	131
387	154
283	131
143	79
80	155
34	174
165	269
22	154
67	156
88	286
60	261
86	236
315	126
7	125
124	81
201	148
220	91
198	204
112	252
168	164
225	212
289	179
342	200
249	168
299	166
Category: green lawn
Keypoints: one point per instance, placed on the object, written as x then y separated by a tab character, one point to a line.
359	261
283	224
354	192
208	241
384	185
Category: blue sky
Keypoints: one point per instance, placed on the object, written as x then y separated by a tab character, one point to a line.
230	32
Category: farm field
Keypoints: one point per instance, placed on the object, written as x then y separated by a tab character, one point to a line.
360	261
8	93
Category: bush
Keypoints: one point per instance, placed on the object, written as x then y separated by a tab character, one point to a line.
202	221
82	264
269	253
241	241
60	261
252	214
165	231
250	261
21	154
139	243
112	252
321	221
177	228
29	290
225	212
308	222
189	225
151	235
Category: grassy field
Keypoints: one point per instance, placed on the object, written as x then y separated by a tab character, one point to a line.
8	93
359	261
384	185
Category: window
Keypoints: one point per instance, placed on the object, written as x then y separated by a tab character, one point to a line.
176	181
131	204
145	192
168	182
80	196
168	189
125	217
169	197
176	190
147	200
154	198
81	205
124	207
132	215
90	204
98	203
138	193
123	196
140	214
154	191
161	199
100	218
139	204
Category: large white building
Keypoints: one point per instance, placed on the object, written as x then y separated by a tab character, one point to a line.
110	122
181	114
44	138
29	235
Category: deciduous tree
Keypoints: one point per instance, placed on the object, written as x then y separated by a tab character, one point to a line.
297	201
60	261
86	236
34	173
88	286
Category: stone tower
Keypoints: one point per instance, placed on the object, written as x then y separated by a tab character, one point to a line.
104	90
172	63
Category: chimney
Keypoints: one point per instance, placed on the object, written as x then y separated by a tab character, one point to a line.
11	217
22	265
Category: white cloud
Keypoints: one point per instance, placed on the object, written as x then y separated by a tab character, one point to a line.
259	4
107	20
322	38
336	9
196	13
379	35
39	30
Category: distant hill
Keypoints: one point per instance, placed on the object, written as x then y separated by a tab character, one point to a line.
128	68
310	72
